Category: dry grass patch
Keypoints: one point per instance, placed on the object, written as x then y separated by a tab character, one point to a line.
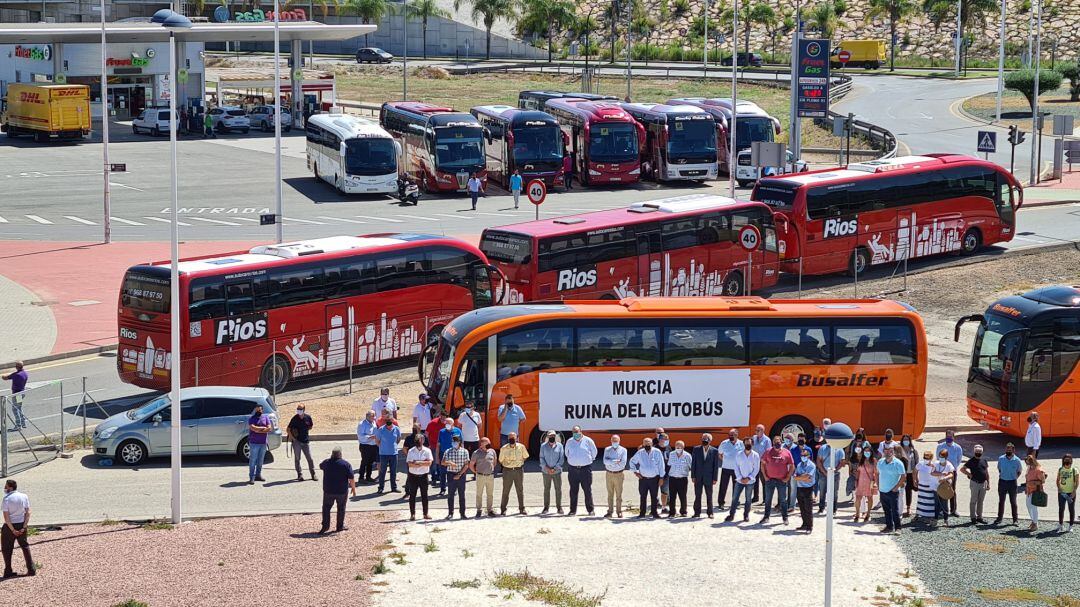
548	592
1029	595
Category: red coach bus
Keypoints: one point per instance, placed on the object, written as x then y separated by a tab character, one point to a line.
889	210
276	312
680	141
440	147
683	246
604	139
522	140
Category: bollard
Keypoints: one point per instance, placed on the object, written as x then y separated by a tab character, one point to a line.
63	436
856	264
3	437
84	412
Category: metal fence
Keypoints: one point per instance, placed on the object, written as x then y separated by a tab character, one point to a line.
43	422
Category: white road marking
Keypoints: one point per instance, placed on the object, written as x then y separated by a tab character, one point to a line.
380	219
416	217
83	302
162	220
245	219
208	220
80	220
2	220
120	185
340	219
492	214
39	219
318	223
448	216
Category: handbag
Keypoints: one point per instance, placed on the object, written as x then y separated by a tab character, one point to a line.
1038	498
945	491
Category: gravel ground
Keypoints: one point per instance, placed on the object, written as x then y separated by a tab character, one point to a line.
203	563
626	560
956	563
335	411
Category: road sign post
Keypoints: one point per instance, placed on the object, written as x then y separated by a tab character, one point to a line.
537	192
749	240
843	57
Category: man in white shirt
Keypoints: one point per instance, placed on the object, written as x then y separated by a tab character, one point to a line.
475	186
615	465
679	463
16	507
649	467
888	442
421	413
1033	438
384	402
728	450
747	466
419	461
471	422
580	452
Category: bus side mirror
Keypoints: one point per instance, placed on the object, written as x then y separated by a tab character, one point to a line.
964	320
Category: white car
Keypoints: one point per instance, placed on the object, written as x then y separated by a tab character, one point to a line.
152	120
262	116
230	118
746	174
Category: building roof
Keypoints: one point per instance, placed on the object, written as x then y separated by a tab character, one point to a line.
124	31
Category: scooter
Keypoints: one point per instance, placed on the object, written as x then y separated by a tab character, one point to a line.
408	192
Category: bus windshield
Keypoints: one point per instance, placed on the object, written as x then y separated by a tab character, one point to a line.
613	142
751	129
370	156
987	346
692	141
538	144
513	252
459	147
145	293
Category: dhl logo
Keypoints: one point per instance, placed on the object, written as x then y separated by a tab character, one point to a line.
26	97
69	92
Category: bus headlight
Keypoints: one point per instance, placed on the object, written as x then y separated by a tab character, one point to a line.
635	172
594	173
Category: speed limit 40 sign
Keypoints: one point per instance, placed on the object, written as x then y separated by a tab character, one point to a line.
536	191
749	238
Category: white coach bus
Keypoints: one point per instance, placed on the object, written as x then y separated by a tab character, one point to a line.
353	154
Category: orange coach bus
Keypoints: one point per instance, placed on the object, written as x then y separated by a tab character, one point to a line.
689	365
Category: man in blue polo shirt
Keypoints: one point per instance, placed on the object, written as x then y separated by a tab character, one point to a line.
1009	468
891	476
387	436
510	417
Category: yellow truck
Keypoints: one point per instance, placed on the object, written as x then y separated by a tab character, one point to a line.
48	112
869	54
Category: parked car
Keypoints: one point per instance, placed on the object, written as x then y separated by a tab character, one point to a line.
262	116
214	422
751	59
152	120
230	118
372	54
746	174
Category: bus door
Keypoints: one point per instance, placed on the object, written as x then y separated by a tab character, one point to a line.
879	230
338	342
475	381
650	262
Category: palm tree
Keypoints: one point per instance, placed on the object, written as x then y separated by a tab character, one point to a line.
425	9
972	12
368	11
540	17
488	12
764	15
894	11
823	17
323	4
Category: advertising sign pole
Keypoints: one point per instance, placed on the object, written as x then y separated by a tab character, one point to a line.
733	153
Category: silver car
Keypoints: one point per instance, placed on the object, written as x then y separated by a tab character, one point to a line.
215	421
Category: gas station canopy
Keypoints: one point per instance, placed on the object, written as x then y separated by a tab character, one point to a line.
135	31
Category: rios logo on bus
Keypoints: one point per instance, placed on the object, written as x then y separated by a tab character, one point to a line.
841	227
855	379
576	279
241	328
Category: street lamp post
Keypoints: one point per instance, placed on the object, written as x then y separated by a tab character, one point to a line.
733	153
1035	130
173	21
405	50
1001	62
277	123
838	435
107	220
795	127
959	27
629	43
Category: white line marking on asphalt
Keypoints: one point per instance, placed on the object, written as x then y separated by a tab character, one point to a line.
340	219
245	219
80	220
162	220
416	217
127	221
318	223
217	221
379	218
448	216
492	214
39	219
2	220
83	302
120	185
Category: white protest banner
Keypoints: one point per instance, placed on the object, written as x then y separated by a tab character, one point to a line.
642	400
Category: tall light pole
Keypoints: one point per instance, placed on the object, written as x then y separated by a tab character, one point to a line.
733	153
174	21
405	52
959	27
1035	131
629	43
838	435
277	124
795	127
1001	62
705	54
105	131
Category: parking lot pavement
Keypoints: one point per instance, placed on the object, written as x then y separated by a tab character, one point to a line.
80	489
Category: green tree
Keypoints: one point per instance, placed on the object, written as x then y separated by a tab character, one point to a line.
369	11
972	12
426	9
488	12
1023	81
764	15
1071	72
894	11
823	18
543	17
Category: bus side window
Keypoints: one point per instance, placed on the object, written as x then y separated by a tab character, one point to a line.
533	349
239	298
207	300
1066	345
473	379
874	345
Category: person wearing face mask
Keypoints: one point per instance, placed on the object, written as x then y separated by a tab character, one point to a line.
387	436
649	468
471	422
978	473
1033	438
663	445
418	460
891	476
447	434
259	426
945	473
369	449
383	404
806	478
337	482
614	467
926	504
421	414
1066	486
432	430
552	457
910	454
955	455
888	442
1034	479
678	474
16	508
824	454
761	443
747	466
298	434
705	472
778	470
456	461
482	465
788	442
729	449
1009	468
512	458
864	468
856	446
580	454
510	416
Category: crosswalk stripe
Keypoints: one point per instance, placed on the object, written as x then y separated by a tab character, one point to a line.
2	220
158	219
340	219
208	220
448	216
416	217
80	220
318	223
380	219
39	219
492	214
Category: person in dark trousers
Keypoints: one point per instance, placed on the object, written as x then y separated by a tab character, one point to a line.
728	450
337	482
568	171
1009	468
705	472
369	450
805	481
475	186
18	379
649	468
298	434
419	461
16	507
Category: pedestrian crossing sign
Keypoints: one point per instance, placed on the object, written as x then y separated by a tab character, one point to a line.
987	141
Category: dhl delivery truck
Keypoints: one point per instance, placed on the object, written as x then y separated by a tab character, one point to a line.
48	112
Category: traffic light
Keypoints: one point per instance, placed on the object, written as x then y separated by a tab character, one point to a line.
1016	136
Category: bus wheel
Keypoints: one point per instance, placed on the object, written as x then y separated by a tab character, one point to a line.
971	242
860	261
733	284
792	424
275	374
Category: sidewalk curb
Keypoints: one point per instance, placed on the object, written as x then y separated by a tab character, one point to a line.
1046	203
62	355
